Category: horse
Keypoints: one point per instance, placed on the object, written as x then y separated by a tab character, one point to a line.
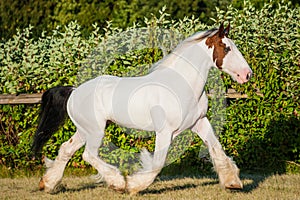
168	100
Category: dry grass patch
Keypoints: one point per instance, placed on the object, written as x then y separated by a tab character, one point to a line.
256	187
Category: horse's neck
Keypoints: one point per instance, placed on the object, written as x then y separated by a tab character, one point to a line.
192	63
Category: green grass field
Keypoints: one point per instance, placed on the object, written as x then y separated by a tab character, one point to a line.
256	186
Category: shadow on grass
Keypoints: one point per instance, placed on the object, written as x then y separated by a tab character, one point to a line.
168	189
256	179
84	187
178	186
63	188
253	179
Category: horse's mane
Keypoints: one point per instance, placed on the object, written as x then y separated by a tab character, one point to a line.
197	37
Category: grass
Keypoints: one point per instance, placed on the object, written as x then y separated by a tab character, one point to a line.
256	186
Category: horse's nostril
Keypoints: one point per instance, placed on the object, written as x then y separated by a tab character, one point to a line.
248	76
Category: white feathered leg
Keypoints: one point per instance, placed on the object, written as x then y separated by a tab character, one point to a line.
110	174
151	165
226	169
50	182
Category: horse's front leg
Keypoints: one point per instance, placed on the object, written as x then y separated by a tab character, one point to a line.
226	169
151	165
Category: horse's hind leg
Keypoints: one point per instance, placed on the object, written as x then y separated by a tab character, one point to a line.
51	180
227	170
110	174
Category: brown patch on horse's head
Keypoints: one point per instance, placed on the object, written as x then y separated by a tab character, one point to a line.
220	49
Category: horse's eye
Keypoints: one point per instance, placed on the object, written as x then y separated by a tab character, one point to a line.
226	50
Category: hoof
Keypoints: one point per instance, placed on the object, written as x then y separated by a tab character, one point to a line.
41	185
234	186
133	191
116	183
58	188
139	182
120	190
131	188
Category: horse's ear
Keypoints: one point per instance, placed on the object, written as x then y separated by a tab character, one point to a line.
221	30
226	31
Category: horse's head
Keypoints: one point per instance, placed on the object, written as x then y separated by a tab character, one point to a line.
227	57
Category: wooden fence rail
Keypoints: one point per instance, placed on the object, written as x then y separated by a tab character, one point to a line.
36	98
20	99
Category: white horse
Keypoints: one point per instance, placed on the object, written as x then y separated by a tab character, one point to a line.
168	100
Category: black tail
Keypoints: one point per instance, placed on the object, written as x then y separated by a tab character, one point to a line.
52	116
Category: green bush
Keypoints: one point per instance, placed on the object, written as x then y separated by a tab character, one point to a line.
45	15
260	132
264	131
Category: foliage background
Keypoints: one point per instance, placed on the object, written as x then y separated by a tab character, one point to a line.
261	132
46	15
